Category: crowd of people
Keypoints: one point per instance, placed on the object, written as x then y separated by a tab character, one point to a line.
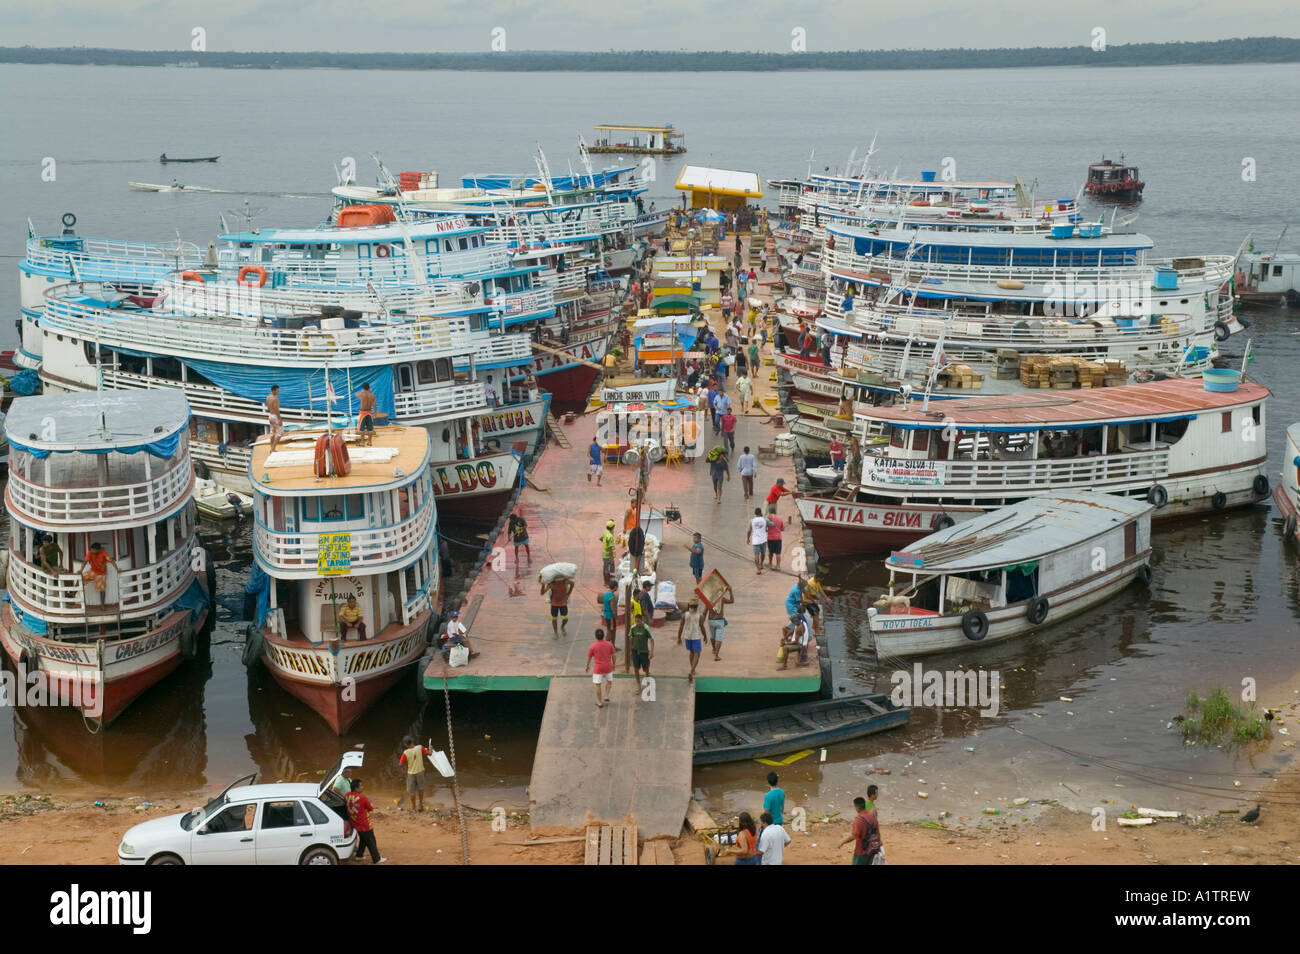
764	842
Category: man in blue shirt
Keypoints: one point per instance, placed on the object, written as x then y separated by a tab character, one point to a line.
594	468
774	800
794	599
720	404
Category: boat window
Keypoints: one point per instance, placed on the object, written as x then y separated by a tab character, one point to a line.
1256	413
334	507
404	377
1130	539
1022	582
979	589
425	373
897	437
1225	426
1277	271
920	440
288	814
1169	431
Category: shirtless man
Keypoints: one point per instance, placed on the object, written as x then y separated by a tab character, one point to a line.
273	416
366	416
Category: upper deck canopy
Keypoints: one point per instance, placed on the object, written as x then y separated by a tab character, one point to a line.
1056	410
718	188
97	422
1020	533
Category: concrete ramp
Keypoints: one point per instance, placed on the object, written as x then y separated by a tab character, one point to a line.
626	764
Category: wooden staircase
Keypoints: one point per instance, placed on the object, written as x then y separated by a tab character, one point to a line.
557	432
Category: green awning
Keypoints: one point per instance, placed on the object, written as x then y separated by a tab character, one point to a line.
677	301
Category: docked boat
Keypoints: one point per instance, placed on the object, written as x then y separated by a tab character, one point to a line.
219	502
1272	278
805	725
661	140
336	519
1116	180
1011	571
1286	495
102	474
1187	446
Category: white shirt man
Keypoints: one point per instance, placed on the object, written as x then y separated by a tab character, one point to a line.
758	531
771	843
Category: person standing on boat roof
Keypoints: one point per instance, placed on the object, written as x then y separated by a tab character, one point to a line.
273	416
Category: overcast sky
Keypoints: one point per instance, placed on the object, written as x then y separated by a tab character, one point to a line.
767	25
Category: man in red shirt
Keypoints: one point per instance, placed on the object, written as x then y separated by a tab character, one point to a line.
866	831
602	651
774	494
729	430
359	809
559	588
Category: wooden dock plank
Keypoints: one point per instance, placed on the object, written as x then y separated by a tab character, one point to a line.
627	764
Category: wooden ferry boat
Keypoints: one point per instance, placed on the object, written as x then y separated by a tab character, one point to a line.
102	472
1185	448
1114	180
335	519
627	140
1010	571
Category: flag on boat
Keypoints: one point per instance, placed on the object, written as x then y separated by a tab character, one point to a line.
330	394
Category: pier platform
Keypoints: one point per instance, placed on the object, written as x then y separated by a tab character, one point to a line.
508	618
626	764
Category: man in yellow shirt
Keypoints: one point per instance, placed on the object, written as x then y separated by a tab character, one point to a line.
350	618
607	551
413	754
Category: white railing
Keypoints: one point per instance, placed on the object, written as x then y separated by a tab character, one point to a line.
77	506
103	260
441	401
532	229
371	548
843	262
567	282
514	304
236	459
246	341
240	300
497	348
130	591
988	476
294	268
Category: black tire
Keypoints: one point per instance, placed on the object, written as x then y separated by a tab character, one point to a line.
1219	500
1221	331
422	664
165	859
941	521
1157	496
1037	610
1144	574
188	643
975	625
318	855
252	646
1289	525
1260	486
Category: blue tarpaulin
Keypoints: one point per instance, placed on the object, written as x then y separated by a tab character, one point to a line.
195	599
301	388
25	383
259	583
163	447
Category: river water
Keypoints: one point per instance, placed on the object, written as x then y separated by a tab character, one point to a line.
1224	602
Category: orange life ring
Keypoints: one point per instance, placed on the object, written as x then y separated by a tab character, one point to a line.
339	456
319	466
382	251
193	277
257	270
918	202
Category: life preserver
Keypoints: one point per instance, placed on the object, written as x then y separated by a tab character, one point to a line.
1221	331
257	270
193	277
918	202
1260	486
1157	496
975	625
320	466
1036	612
941	521
339	459
382	251
1144	574
1219	500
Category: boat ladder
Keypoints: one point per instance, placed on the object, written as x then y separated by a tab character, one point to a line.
557	432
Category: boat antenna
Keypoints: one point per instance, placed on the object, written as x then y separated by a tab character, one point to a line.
584	156
387	179
544	170
1278	245
248	214
811	154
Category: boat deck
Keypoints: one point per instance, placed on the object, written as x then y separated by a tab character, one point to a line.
291	467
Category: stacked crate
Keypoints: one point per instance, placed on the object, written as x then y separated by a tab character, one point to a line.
1033	371
1008	364
961	376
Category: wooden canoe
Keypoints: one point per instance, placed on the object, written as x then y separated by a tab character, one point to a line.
197	159
804	725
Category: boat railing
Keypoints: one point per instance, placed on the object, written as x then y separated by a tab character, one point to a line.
65	506
515	304
437	402
371	548
209	400
298	267
68	597
499	349
238	300
231	458
103	259
987	477
568	281
531	230
843	263
249	340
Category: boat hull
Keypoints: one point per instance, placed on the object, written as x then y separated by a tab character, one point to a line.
899	635
878	717
1288	508
130	667
340	689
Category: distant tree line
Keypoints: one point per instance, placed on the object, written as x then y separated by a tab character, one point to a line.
1250	50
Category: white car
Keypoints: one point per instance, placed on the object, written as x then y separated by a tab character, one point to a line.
282	824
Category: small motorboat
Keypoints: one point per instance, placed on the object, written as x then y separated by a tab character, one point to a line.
159	187
804	725
218	502
164	158
824	476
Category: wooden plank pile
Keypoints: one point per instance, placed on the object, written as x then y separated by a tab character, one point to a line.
611	845
1068	373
